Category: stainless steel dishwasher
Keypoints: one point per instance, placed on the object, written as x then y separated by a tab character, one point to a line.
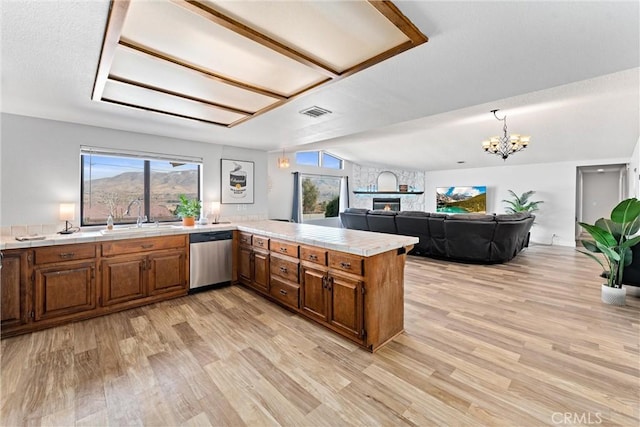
209	259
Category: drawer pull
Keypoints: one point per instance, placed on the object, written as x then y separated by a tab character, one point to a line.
345	265
283	269
147	246
283	292
313	257
260	243
283	250
66	255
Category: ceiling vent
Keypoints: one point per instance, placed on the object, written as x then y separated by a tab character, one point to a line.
315	112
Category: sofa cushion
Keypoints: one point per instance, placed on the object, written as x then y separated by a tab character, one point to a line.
472	217
513	217
414	214
382	221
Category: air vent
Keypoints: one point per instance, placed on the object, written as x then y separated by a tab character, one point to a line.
315	112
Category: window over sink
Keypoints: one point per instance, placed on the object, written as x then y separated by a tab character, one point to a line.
128	185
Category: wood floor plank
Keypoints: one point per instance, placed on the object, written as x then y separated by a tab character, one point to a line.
501	345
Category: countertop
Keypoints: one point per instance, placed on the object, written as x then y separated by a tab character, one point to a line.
356	242
365	243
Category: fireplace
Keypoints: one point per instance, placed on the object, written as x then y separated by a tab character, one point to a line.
390	204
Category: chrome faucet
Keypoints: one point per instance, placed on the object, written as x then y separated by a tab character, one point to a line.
140	220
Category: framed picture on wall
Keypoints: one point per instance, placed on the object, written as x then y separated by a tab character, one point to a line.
236	181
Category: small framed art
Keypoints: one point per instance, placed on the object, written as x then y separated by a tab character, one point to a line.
236	181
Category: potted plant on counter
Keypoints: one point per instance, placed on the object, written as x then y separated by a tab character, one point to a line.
612	238
188	210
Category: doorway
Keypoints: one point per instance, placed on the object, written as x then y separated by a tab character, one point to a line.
599	189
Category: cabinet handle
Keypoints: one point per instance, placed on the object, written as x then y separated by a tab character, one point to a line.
283	269
66	255
313	257
283	250
149	246
324	282
329	283
345	265
283	292
260	243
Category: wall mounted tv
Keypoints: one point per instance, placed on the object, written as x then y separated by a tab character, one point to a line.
461	199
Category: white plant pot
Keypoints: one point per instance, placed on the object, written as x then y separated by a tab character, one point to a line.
613	296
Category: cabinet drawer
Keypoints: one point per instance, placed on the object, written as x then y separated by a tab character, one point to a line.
284	248
346	262
261	242
314	255
119	247
51	254
284	268
244	238
287	293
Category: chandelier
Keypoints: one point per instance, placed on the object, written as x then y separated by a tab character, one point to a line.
506	144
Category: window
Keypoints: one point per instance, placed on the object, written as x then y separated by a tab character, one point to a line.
318	158
320	196
330	161
128	185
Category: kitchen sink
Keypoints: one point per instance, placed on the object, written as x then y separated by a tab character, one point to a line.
146	228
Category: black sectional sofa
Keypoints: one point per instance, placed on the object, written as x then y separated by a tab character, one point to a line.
473	238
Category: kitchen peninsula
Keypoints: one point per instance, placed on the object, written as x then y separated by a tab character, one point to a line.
349	281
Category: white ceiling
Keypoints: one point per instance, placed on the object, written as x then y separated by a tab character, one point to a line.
566	73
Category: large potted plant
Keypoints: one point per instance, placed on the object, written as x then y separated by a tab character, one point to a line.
522	203
612	242
188	210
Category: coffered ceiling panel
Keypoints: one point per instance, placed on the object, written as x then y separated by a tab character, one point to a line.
338	34
135	96
131	65
239	59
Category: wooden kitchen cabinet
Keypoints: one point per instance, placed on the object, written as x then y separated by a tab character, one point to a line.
167	272
123	279
53	285
344	298
253	262
13	289
142	269
64	279
359	297
333	299
64	290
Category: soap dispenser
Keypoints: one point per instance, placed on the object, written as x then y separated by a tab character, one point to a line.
109	222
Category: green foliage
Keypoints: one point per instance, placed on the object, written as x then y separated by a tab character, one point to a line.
521	203
332	207
612	238
309	196
187	208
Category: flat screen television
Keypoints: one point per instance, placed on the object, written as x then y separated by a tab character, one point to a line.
461	199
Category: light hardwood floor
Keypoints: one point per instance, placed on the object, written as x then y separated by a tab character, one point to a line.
525	343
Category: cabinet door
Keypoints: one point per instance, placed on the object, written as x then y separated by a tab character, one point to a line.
313	293
123	279
345	305
261	270
167	272
12	289
64	289
244	265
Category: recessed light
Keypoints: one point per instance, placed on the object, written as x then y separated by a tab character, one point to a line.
600	170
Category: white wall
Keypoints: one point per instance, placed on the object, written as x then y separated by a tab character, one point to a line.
554	183
40	167
633	175
280	184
